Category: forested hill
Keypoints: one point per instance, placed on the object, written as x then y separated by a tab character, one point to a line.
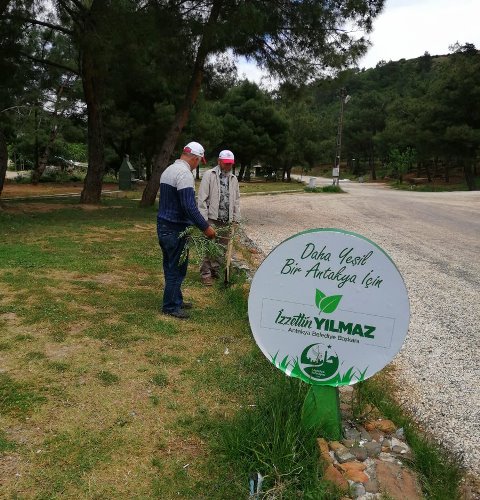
132	82
420	114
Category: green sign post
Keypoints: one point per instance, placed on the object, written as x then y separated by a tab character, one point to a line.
321	410
328	307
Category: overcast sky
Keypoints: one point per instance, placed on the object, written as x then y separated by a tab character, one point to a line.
408	28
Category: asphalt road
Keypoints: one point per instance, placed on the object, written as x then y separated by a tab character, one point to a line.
434	239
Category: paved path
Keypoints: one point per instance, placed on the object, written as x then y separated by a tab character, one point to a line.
434	239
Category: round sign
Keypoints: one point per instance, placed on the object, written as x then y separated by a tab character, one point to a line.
329	307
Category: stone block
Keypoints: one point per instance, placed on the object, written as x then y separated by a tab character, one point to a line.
335	445
373	449
360	453
386	426
344	456
364	434
386	457
397	482
351	434
323	449
357	475
370	426
350	466
334	476
371	486
348	443
357	490
377	436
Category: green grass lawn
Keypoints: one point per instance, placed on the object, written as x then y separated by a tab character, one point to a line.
433	186
102	396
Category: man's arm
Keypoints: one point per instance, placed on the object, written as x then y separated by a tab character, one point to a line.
186	194
187	201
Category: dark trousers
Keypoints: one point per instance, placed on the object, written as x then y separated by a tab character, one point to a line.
174	273
210	267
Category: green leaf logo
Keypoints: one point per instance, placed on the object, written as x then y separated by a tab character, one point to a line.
318	297
326	304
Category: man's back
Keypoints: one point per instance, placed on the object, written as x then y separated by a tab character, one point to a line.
177	205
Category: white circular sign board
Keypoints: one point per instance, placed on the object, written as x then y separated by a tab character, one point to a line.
329	307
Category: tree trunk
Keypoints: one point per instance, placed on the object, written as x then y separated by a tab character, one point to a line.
161	159
286	171
242	171
3	160
92	188
42	161
428	170
469	176
373	172
148	172
36	155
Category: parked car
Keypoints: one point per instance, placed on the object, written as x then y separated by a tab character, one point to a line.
63	163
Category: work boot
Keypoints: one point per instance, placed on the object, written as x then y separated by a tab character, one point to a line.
177	314
186	305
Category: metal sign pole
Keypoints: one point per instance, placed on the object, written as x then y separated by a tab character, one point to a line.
344	98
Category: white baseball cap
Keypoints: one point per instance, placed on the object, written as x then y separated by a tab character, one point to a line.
195	148
227	156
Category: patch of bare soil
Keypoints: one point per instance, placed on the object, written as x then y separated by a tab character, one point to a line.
67	281
9	317
41	207
11	469
100	234
190	447
14	190
60	352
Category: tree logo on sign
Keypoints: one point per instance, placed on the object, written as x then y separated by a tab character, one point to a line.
319	362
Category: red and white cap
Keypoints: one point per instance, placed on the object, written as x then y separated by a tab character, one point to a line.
195	148
227	156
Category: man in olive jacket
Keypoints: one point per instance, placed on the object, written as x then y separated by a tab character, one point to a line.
219	203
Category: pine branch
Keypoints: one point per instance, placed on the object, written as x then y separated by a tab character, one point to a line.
30	20
47	62
203	246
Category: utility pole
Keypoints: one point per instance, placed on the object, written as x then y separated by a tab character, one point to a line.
344	98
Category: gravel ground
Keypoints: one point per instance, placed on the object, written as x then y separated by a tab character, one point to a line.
434	239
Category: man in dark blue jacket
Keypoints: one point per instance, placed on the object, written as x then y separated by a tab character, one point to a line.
178	210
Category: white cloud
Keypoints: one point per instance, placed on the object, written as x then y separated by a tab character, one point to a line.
250	71
408	28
